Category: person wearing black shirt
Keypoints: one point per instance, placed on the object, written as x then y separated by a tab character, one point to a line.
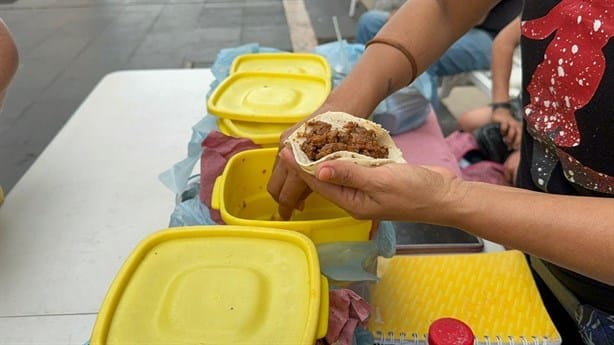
562	216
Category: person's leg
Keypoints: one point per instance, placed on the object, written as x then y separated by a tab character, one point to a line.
475	118
369	24
471	52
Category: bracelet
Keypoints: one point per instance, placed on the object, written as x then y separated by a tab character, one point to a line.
399	47
496	105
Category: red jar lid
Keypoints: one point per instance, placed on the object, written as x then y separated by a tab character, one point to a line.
450	331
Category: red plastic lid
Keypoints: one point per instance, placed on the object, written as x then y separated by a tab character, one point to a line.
450	331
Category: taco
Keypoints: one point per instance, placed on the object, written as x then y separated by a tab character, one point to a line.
338	135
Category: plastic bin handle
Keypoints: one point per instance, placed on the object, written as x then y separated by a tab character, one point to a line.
323	317
215	193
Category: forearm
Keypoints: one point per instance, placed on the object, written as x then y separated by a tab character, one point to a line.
501	67
428	28
383	69
571	231
503	59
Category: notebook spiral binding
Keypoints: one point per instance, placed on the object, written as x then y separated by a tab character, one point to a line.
414	339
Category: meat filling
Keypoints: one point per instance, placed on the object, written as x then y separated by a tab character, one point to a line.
321	139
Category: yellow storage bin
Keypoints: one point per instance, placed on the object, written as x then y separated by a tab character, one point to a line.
268	97
290	63
264	134
241	195
216	285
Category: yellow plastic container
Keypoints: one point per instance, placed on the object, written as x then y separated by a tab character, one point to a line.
291	63
241	195
268	97
264	134
216	285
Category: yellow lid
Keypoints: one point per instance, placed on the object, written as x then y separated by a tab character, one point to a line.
268	97
302	63
216	285
261	133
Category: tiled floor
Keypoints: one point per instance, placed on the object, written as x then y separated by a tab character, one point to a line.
67	46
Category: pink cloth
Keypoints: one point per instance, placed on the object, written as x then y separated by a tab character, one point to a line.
426	145
460	143
217	150
347	310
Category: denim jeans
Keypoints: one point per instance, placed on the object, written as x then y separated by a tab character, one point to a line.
469	53
595	326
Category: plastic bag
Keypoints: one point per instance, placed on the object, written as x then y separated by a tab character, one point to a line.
341	56
402	111
190	212
176	178
189	209
357	261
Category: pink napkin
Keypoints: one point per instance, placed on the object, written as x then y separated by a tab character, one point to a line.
217	150
347	310
460	143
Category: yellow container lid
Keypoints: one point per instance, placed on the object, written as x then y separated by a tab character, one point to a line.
216	285
261	133
301	63
268	97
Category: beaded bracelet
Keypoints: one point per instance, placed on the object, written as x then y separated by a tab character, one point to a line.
399	47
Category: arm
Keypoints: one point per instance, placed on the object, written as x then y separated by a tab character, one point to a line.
424	27
560	229
501	68
9	60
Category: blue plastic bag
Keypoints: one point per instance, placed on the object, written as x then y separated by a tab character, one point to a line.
341	56
356	261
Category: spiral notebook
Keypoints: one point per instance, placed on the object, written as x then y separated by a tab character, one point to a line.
493	293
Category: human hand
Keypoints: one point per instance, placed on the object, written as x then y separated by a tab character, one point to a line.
510	167
511	129
289	190
390	191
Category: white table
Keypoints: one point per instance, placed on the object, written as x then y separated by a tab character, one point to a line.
91	196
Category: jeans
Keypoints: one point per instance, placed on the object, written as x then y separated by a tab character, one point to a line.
469	53
369	24
595	326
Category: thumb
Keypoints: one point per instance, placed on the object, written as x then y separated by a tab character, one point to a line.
342	173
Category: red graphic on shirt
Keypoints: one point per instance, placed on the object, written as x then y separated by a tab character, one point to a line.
573	66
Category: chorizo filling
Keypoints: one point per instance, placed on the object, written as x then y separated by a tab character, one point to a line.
321	139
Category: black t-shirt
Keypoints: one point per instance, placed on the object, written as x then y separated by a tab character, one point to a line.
503	13
568	95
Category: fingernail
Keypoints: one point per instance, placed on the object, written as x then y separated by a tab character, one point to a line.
300	206
325	173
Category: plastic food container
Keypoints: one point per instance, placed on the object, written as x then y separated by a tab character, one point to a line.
289	63
268	97
263	134
216	285
241	195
